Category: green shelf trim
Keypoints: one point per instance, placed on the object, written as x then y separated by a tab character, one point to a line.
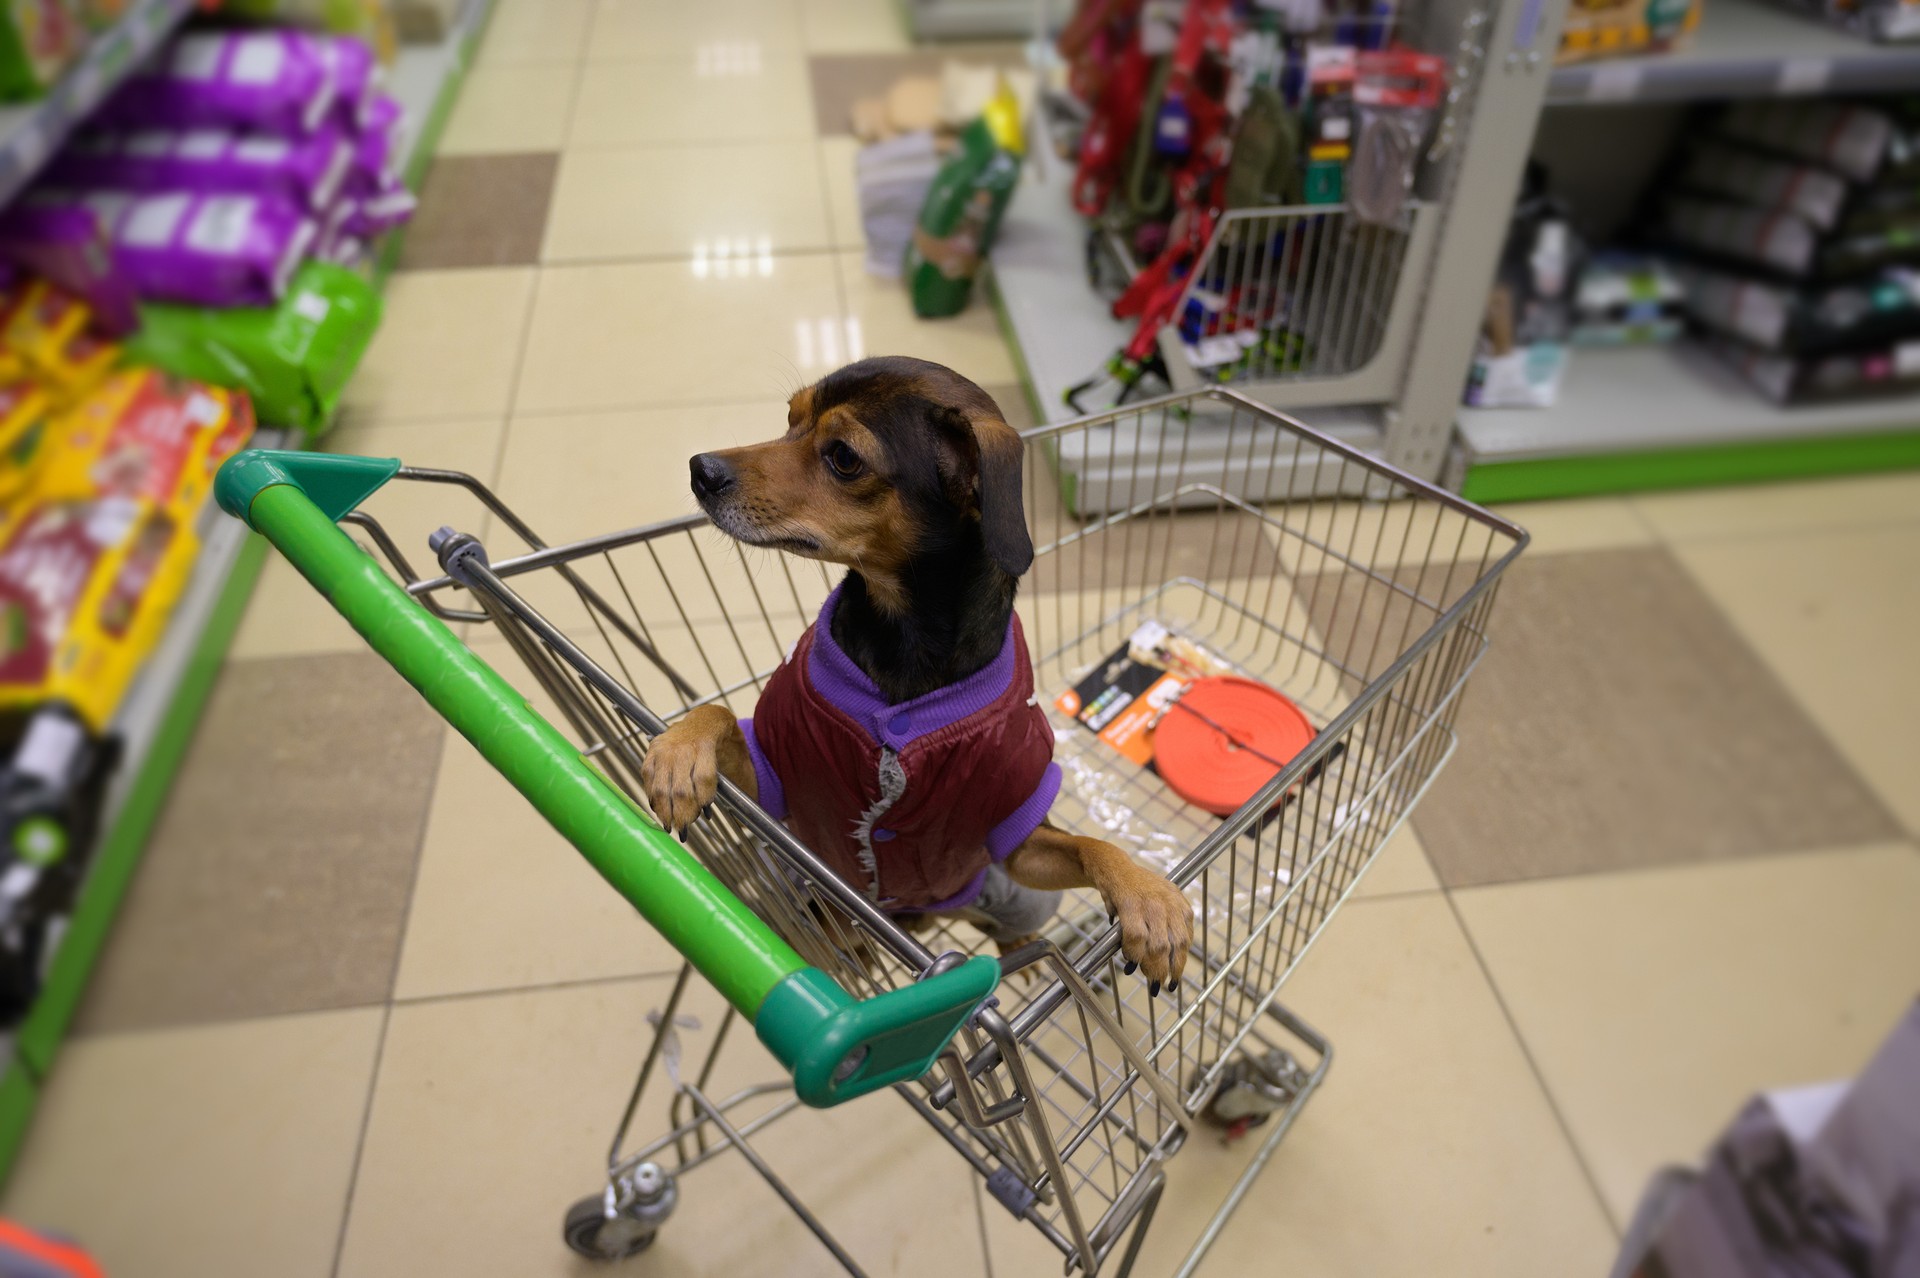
118	854
19	1095
1690	467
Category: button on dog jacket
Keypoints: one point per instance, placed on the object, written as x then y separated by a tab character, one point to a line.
908	802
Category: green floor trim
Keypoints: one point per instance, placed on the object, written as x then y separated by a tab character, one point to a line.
120	847
19	1095
1690	467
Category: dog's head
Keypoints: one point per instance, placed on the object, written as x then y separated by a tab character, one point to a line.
885	462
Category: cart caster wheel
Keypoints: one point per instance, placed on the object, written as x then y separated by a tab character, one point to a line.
624	1220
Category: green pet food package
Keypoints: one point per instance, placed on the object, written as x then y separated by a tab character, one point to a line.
294	358
963	210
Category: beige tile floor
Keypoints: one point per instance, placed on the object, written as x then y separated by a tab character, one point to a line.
1514	1059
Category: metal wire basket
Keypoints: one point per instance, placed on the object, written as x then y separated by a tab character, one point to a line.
1360	593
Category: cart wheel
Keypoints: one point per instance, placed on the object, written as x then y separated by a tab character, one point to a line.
589	1232
623	1220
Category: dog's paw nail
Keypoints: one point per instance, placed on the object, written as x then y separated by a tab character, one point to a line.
1153	989
1130	967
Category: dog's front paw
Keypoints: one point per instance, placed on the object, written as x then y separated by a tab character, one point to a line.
1156	926
680	775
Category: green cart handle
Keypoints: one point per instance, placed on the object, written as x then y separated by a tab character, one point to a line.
837	1047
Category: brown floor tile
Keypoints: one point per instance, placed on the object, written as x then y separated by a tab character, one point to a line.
841	79
1619	721
278	877
481	210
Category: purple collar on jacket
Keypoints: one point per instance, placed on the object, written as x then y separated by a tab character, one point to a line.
835	677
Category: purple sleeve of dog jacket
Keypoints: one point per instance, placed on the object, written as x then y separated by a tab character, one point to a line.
1012	832
773	796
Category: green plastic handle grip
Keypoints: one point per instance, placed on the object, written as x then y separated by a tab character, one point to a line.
837	1047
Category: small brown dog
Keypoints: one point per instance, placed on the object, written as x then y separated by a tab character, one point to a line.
901	740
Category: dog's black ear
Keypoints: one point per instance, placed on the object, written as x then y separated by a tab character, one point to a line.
1003	513
994	482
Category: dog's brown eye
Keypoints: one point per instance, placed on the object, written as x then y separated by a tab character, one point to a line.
843	461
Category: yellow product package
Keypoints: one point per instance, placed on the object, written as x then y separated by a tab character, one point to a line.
86	585
26	411
144	434
96	552
48	331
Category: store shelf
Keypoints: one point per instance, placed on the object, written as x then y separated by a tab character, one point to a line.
1668	415
157	721
154	724
1744	49
32	131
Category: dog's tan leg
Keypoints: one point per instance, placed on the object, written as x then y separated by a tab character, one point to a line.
682	767
1156	921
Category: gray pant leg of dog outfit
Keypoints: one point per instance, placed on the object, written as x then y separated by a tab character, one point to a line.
1010	911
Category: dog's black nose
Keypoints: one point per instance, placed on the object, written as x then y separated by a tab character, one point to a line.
711	476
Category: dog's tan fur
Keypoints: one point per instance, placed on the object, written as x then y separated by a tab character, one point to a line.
792	502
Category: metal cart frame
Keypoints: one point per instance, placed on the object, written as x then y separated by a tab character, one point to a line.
1360	592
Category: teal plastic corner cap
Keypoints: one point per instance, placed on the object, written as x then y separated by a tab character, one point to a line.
335	482
839	1048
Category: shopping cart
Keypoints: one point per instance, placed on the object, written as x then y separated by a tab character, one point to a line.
1360	593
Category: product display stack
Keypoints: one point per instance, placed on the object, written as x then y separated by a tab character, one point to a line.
192	260
1796	230
1192	113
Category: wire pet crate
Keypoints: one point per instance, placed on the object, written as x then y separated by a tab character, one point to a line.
1070	1096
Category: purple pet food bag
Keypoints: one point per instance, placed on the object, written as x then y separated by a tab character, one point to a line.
274	80
375	215
208	250
68	246
356	79
307	170
378	151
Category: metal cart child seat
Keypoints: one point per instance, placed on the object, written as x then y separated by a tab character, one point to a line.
1362	594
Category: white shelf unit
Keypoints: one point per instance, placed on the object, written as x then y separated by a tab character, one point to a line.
1744	49
1649	398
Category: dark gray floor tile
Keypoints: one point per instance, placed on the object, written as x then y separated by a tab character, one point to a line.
278	877
481	210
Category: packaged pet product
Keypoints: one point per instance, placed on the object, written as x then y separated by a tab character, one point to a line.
69	247
379	149
275	81
963	210
1881	311
1396	94
293	360
1616	28
26	411
149	436
1752	177
1780	242
1811	379
51	332
374	216
1884	20
212	250
1522	352
1852	140
307	170
1627	299
39	39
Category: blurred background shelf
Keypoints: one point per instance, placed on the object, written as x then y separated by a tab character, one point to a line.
1671	415
157	722
31	132
1744	49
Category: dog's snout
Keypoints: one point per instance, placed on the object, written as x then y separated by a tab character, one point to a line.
711	476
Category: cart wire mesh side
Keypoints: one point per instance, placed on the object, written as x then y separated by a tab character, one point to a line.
1361	594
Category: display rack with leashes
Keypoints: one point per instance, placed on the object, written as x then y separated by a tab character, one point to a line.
1258	164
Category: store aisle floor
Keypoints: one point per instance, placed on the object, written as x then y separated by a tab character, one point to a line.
365	1015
